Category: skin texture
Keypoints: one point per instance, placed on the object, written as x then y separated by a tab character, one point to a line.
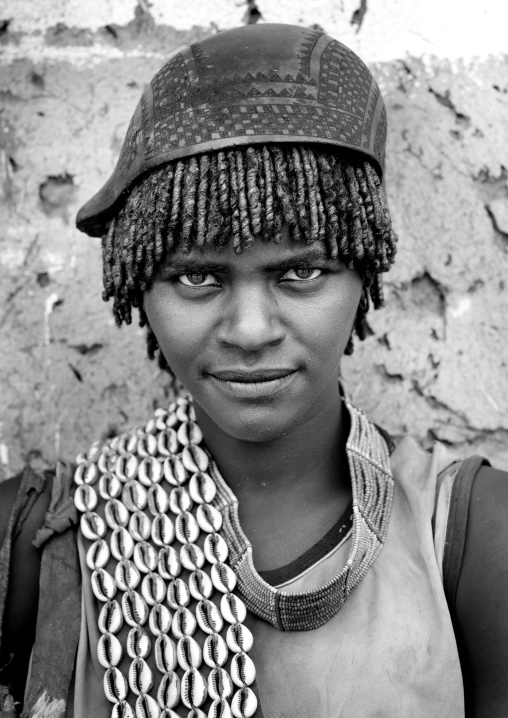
277	306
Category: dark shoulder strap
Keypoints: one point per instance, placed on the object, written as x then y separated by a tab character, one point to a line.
457	525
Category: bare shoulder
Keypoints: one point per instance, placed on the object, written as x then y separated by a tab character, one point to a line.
481	606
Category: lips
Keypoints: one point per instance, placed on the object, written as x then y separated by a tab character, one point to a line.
251	377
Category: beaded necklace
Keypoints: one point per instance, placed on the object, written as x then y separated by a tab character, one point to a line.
169	559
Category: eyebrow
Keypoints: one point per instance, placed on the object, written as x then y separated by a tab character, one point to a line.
184	264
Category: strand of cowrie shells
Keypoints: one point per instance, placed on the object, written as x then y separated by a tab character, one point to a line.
169	450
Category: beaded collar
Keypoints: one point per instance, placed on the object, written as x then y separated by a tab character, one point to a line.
169	562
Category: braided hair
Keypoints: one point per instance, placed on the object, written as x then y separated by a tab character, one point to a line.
244	194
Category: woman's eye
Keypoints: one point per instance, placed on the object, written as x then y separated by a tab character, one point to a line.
302	274
197	279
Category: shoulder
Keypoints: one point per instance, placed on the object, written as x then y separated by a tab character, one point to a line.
481	609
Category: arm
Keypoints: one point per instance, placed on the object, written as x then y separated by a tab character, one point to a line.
481	609
20	575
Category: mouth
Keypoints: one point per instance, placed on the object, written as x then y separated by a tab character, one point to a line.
257	384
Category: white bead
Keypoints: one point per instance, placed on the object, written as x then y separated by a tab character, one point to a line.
165	655
117	515
97	555
158	500
189	653
126	467
186	528
243	671
168	694
239	638
189	433
85	498
215	548
178	594
219	708
109	650
223	577
134	495
215	651
220	684
179	500
200	585
183	624
195	459
167	442
160	619
169	563
191	556
138	643
110	486
110	617
140	676
115	685
153	589
163	531
208	617
103	585
233	608
145	557
92	526
140	526
244	703
122	544
202	488
209	518
150	470
193	688
127	575
134	608
146	707
175	471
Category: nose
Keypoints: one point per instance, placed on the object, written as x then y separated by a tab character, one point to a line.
251	321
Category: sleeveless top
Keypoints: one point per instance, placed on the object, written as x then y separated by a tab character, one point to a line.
389	651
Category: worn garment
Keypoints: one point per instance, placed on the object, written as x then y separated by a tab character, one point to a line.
378	645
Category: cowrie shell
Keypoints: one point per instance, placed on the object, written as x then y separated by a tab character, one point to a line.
94	451
168	694
193	688
215	651
183	623
150	427
127	443
179	500
146	707
223	577
189	433
134	608
239	638
106	461
122	544
208	617
167	422
181	413
134	495
189	653
233	608
126	467
140	676
209	518
194	458
174	471
81	458
219	708
165	656
158	500
191	556
169	564
138	643
122	710
115	685
116	514
145	557
150	470
220	684
178	594
244	703
110	486
110	617
140	526
147	445
92	525
86	473
196	713
200	585
109	650
202	488
103	585
243	671
167	442
163	531
153	588
186	528
215	548
127	575
97	555
159	619
114	443
85	498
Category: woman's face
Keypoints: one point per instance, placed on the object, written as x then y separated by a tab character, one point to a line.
256	338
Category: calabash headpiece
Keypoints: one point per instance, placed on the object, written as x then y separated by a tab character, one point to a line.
255	84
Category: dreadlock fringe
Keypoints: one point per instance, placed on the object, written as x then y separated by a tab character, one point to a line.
45	707
240	195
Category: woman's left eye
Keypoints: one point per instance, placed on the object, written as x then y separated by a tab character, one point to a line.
197	279
302	274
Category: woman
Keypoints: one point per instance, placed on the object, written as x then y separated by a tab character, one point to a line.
259	547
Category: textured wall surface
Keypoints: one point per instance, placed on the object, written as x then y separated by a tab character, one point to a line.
70	76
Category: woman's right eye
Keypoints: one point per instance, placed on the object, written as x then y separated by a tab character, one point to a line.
197	279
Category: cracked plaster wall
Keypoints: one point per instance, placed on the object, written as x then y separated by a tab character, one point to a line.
70	76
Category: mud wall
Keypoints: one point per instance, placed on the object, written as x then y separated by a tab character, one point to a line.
70	76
